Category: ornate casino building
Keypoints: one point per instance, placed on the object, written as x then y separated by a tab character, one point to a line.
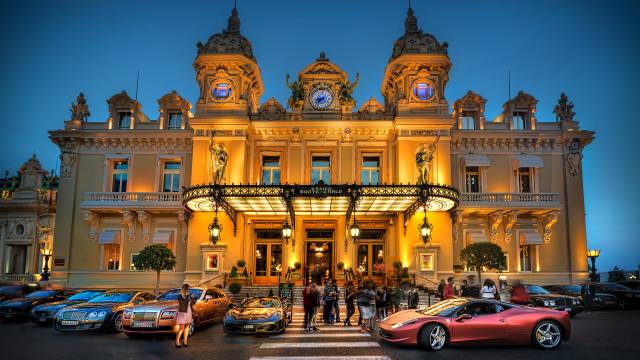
319	184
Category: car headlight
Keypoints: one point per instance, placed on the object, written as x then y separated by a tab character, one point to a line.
408	322
97	315
59	315
126	314
576	302
168	314
549	303
274	317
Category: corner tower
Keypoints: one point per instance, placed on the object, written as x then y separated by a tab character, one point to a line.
417	73
227	72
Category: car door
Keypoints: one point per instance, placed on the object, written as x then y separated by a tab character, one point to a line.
479	321
222	303
199	309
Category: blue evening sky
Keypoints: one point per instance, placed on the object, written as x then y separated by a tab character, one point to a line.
52	50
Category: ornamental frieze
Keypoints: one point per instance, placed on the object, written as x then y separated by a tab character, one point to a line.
487	145
421	132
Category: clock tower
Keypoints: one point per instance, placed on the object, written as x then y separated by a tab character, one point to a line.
227	72
417	73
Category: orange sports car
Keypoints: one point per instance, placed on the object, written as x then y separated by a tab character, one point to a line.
466	321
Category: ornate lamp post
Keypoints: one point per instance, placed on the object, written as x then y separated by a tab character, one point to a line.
286	231
425	229
214	230
45	270
354	231
593	255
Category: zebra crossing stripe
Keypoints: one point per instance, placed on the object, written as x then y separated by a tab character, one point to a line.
328	328
365	344
319	358
319	335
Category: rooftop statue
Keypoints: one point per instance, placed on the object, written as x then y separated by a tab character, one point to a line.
346	91
80	109
424	157
564	109
297	91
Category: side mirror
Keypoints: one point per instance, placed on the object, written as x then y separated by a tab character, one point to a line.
464	317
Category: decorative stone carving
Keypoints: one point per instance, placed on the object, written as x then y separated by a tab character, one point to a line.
424	157
129	219
495	219
371	110
466	143
230	41
457	218
183	219
296	100
295	135
219	158
564	109
346	136
510	220
80	109
272	110
548	220
68	159
414	41
92	220
345	94
574	157
145	219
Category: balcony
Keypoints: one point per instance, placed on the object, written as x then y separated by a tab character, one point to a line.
543	201
131	201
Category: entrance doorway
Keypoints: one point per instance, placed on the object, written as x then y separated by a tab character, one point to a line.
370	255
16	259
268	257
319	254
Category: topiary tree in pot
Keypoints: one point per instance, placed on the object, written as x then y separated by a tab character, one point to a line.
155	257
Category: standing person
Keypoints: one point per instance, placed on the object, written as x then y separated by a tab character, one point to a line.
587	295
519	294
307	302
328	301
368	307
336	301
315	303
396	298
184	317
488	291
362	300
441	286
463	288
349	297
449	291
412	298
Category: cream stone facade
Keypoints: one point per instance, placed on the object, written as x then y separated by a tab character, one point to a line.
130	181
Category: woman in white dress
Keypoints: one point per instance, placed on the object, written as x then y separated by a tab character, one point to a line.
488	291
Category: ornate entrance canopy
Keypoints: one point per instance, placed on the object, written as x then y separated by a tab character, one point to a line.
320	199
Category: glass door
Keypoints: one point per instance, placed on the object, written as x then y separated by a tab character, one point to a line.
370	255
268	257
319	255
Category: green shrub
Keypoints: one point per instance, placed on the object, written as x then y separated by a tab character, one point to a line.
297	266
245	274
397	265
340	266
235	288
241	263
234	272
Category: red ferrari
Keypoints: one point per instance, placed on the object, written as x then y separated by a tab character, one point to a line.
467	321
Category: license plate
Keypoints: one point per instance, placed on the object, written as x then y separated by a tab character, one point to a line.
567	309
69	322
143	324
42	319
248	327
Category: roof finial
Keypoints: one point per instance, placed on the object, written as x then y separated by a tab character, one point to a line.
411	22
234	21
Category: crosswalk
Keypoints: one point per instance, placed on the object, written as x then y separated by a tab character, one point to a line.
331	342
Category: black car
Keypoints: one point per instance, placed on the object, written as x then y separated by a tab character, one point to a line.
102	312
259	315
627	298
631	284
17	291
20	308
44	314
540	297
600	300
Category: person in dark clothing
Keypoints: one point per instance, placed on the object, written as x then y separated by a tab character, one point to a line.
329	299
587	295
349	297
441	286
412	298
336	302
361	299
307	301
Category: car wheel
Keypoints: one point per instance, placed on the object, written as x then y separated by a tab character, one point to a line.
547	335
433	337
117	322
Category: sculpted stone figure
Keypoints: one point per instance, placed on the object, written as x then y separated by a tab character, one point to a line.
346	91
424	157
80	109
297	92
564	109
219	157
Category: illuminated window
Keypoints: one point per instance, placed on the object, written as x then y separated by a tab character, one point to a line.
124	120
175	121
111	257
171	176
423	91
271	170
520	120
472	179
321	169
370	172
525	258
221	91
524	179
132	266
468	120
119	175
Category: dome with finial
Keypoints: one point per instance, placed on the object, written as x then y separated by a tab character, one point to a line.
229	41
414	41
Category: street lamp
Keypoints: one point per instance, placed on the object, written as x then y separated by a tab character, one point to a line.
593	255
45	270
354	230
214	231
286	231
425	230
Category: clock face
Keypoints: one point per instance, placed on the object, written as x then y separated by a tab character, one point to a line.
321	99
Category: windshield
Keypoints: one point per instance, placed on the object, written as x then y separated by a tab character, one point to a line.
85	295
444	308
173	294
260	303
112	297
573	289
43	293
609	286
535	289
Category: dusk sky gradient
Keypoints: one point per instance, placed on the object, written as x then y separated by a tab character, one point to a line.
52	50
